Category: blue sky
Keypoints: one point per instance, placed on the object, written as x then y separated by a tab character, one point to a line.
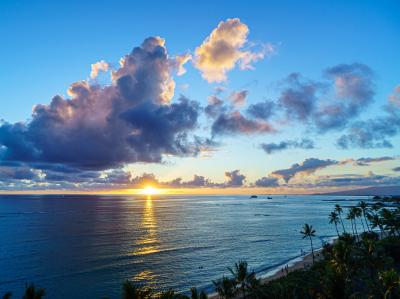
48	45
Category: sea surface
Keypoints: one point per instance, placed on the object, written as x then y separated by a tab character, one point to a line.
85	246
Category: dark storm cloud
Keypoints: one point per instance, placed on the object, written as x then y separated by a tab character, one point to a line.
271	148
308	166
131	120
267	182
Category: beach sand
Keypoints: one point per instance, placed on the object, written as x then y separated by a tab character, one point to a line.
304	263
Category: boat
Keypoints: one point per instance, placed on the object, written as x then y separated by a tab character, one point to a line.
253	196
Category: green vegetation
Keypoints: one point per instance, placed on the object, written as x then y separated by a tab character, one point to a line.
364	264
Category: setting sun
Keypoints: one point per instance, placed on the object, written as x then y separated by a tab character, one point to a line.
150	190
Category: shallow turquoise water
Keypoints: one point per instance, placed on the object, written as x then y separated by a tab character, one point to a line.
86	246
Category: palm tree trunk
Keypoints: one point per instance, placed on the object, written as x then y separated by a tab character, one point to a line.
244	292
312	251
366	222
341	221
355	227
337	230
362	222
352	226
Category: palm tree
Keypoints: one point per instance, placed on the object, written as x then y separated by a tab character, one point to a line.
334	218
242	276
339	210
350	216
131	291
389	220
225	287
309	232
377	206
7	295
358	214
390	280
376	222
195	294
364	208
31	292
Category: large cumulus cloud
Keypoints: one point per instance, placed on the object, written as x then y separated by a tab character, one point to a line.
101	127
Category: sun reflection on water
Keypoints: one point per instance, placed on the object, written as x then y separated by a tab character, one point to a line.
149	242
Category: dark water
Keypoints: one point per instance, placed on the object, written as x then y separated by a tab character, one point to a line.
86	246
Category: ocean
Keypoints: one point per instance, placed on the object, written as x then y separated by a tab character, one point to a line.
84	247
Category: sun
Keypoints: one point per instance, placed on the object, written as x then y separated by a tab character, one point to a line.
150	190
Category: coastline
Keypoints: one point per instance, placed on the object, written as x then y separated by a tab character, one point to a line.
294	264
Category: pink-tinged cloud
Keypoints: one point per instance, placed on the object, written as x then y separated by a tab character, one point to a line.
238	98
101	127
224	48
100	66
394	98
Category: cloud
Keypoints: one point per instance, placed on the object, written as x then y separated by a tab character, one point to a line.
349	180
354	91
235	179
373	133
308	167
368	161
100	66
180	61
394	98
271	148
234	123
8	173
262	110
269	181
224	48
299	97
215	107
238	98
198	181
131	120
310	102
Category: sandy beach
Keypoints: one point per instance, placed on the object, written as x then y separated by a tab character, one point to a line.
304	263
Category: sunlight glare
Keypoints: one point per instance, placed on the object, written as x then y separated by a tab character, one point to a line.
149	190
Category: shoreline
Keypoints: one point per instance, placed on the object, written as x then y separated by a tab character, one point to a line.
297	263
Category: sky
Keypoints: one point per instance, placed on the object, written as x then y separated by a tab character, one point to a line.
201	97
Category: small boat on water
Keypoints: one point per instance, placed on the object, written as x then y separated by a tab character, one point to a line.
269	197
253	196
